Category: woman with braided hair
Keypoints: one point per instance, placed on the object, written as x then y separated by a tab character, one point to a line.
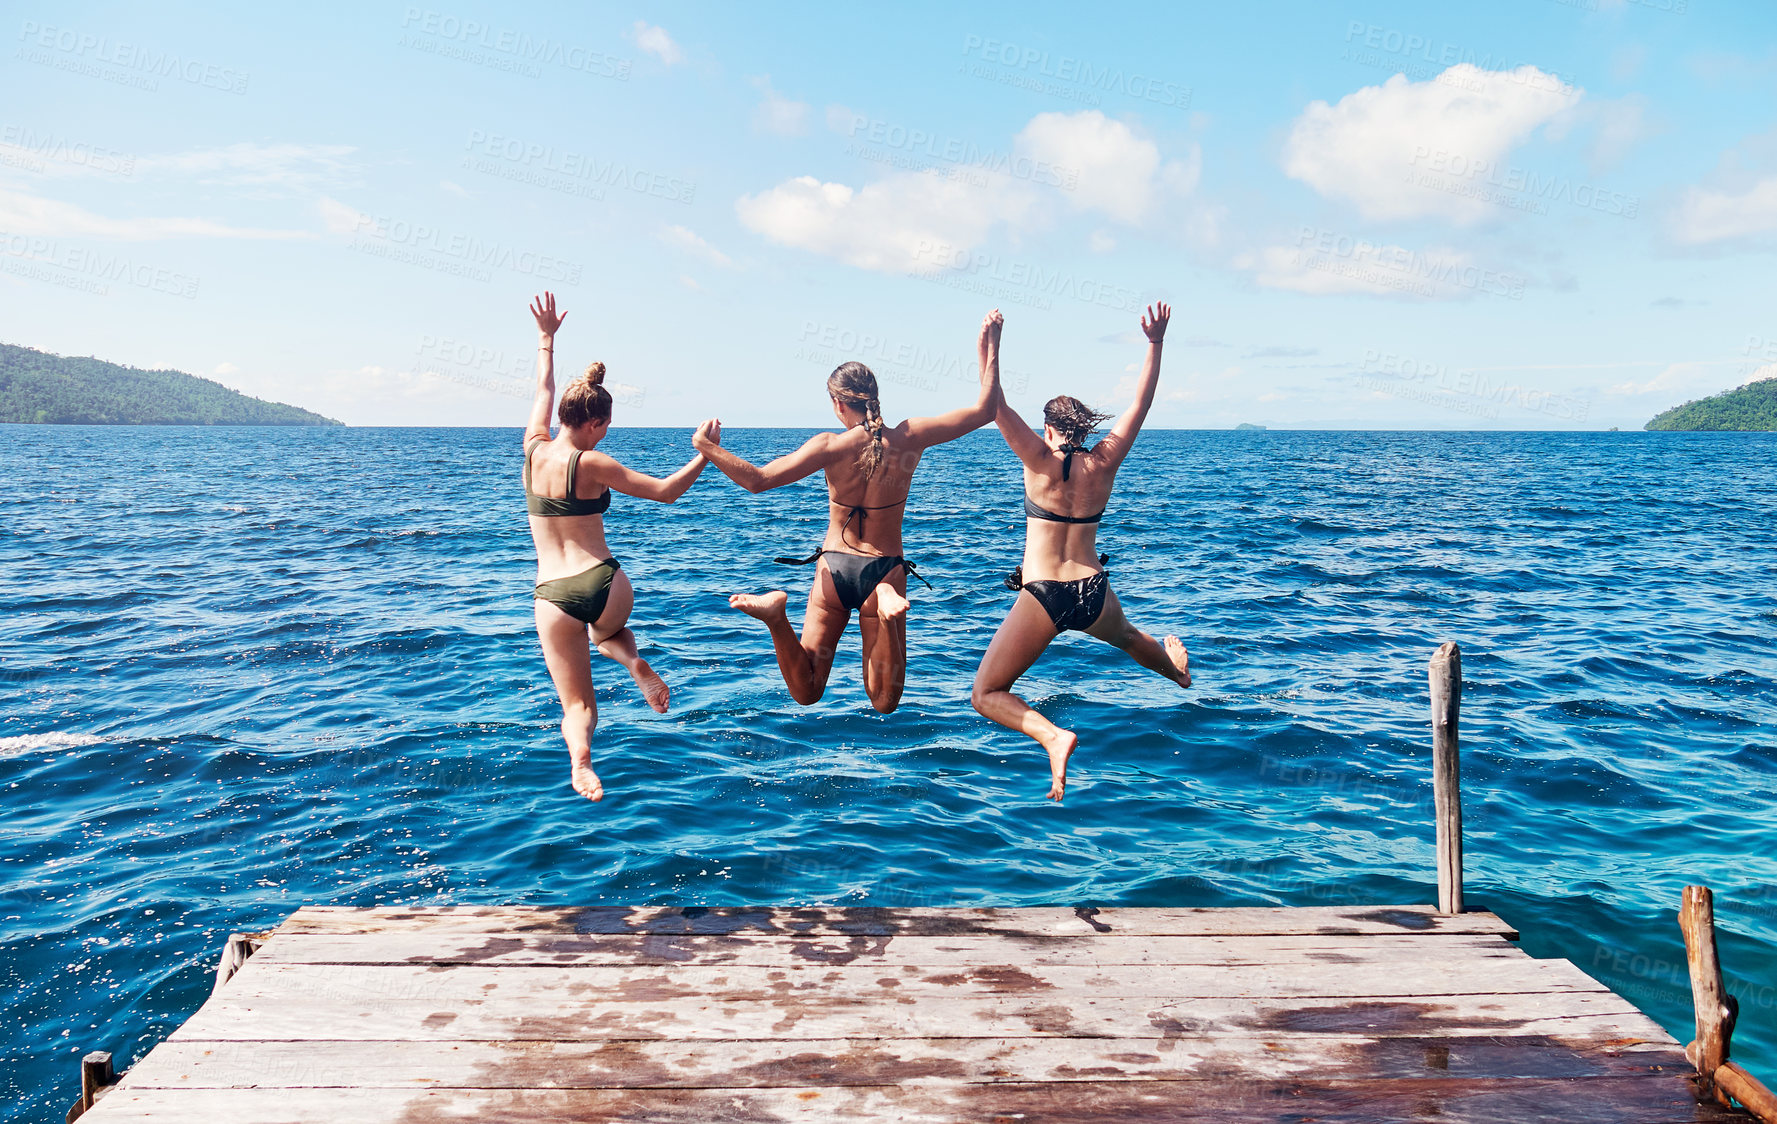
859	565
1061	582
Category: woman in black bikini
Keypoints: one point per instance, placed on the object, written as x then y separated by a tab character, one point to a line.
859	566
581	591
1062	581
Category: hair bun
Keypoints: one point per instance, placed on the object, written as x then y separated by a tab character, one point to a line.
595	373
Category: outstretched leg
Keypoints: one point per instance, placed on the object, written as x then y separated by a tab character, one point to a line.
805	662
882	625
1114	629
1021	638
566	651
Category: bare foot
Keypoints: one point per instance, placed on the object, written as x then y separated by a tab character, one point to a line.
587	784
1061	748
654	688
764	606
890	605
1181	659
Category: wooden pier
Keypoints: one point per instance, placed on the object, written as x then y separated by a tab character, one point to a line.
823	1014
1010	1016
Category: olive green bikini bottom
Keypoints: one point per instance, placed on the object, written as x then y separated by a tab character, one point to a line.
582	596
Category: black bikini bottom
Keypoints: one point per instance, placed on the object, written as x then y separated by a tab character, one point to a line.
856	575
1072	605
583	595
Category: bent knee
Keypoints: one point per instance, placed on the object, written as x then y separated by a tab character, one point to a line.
978	696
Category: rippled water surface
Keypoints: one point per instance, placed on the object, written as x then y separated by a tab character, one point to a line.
249	669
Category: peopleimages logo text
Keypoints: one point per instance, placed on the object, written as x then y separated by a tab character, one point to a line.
1065	68
102	49
517	44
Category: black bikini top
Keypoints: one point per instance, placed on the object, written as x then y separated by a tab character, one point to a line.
859	512
1037	511
556	506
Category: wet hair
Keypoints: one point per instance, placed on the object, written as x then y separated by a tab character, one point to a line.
1071	418
585	401
855	383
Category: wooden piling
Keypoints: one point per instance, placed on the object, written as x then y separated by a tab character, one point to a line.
1446	710
96	1075
1716	1013
234	953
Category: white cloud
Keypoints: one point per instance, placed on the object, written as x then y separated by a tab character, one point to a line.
1372	147
1101	242
657	42
1339	266
776	113
225	369
456	189
1690	379
906	221
1120	172
263	166
1706	215
21	213
687	239
339	218
928	220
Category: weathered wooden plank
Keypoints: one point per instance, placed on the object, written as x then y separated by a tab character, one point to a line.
871	921
1598	1100
820	1063
560	950
789	984
585	1015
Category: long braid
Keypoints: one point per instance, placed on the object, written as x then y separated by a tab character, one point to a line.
854	382
871	459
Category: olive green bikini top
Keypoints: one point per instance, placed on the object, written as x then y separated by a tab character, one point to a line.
554	506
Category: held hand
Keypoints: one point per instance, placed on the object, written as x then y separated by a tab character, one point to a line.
989	340
543	308
1153	322
707	435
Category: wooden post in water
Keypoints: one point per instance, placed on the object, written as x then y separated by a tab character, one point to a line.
1716	1012
234	954
95	1074
1446	710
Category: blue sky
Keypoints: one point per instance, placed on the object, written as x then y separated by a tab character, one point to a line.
1514	215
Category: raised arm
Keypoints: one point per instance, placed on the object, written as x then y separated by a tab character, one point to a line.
818	452
1117	442
661	489
926	432
543	401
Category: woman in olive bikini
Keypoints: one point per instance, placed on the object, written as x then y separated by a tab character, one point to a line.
581	591
1062	583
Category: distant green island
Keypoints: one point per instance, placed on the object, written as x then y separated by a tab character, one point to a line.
43	389
1249	426
1753	406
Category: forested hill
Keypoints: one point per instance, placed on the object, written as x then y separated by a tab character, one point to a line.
1753	406
37	387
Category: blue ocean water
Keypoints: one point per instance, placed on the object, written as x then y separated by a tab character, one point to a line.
248	669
